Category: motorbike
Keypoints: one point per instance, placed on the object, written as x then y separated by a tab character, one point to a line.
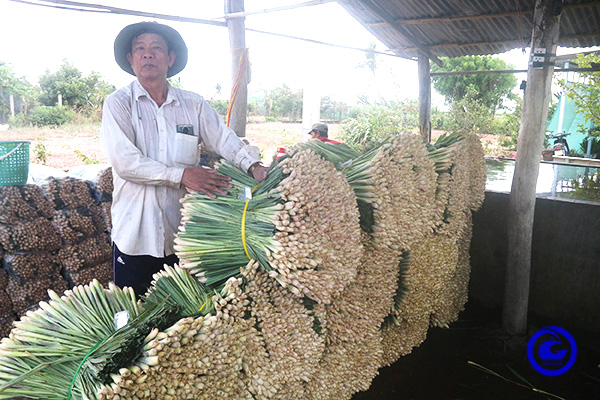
560	147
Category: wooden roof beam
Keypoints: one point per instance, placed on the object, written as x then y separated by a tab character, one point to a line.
491	43
460	45
417	21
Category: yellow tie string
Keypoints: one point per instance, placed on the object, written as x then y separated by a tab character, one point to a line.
244	226
244	229
202	306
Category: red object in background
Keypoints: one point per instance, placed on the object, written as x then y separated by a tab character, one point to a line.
280	153
547	154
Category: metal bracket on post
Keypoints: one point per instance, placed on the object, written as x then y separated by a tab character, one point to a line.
541	59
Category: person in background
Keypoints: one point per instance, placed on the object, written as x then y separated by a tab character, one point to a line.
319	131
151	134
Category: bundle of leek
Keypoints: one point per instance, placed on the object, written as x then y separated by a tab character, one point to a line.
210	243
358	169
175	285
460	165
70	346
394	183
288	329
429	269
208	357
301	224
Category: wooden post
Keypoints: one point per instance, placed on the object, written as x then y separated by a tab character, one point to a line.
522	197
424	98
11	99
237	44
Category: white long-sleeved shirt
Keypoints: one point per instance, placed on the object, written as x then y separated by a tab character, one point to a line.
148	157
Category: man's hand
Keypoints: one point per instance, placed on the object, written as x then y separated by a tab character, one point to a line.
260	173
205	180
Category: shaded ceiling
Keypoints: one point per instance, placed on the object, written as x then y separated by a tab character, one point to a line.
453	28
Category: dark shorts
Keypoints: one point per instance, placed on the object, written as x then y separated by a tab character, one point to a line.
136	271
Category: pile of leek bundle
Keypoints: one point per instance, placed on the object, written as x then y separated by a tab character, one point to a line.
353	351
452	295
222	354
301	224
429	268
461	176
70	347
394	183
293	334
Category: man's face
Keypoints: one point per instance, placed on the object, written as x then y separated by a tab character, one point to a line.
150	58
314	134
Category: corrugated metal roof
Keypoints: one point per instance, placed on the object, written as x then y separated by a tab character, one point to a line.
453	28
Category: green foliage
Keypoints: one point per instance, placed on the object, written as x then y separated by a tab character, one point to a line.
253	107
583	146
586	189
586	92
11	85
286	138
332	110
78	92
471	114
52	116
220	106
370	61
376	122
283	103
439	119
85	159
40	151
488	89
175	82
508	125
18	121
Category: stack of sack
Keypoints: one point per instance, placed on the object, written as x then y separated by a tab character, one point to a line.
85	252
100	180
7	315
102	190
30	244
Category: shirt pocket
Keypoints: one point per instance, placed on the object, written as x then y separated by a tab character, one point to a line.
187	149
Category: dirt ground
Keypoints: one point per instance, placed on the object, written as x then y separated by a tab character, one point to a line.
72	145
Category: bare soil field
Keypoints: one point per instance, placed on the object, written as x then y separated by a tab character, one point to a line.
73	145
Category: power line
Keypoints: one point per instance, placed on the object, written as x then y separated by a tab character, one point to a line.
323	43
103	9
100	8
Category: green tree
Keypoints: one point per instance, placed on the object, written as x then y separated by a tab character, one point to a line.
10	84
586	92
283	102
470	113
78	92
508	124
220	106
50	116
488	89
175	82
371	63
99	89
374	122
332	110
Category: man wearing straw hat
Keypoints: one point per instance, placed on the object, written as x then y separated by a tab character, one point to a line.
151	134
